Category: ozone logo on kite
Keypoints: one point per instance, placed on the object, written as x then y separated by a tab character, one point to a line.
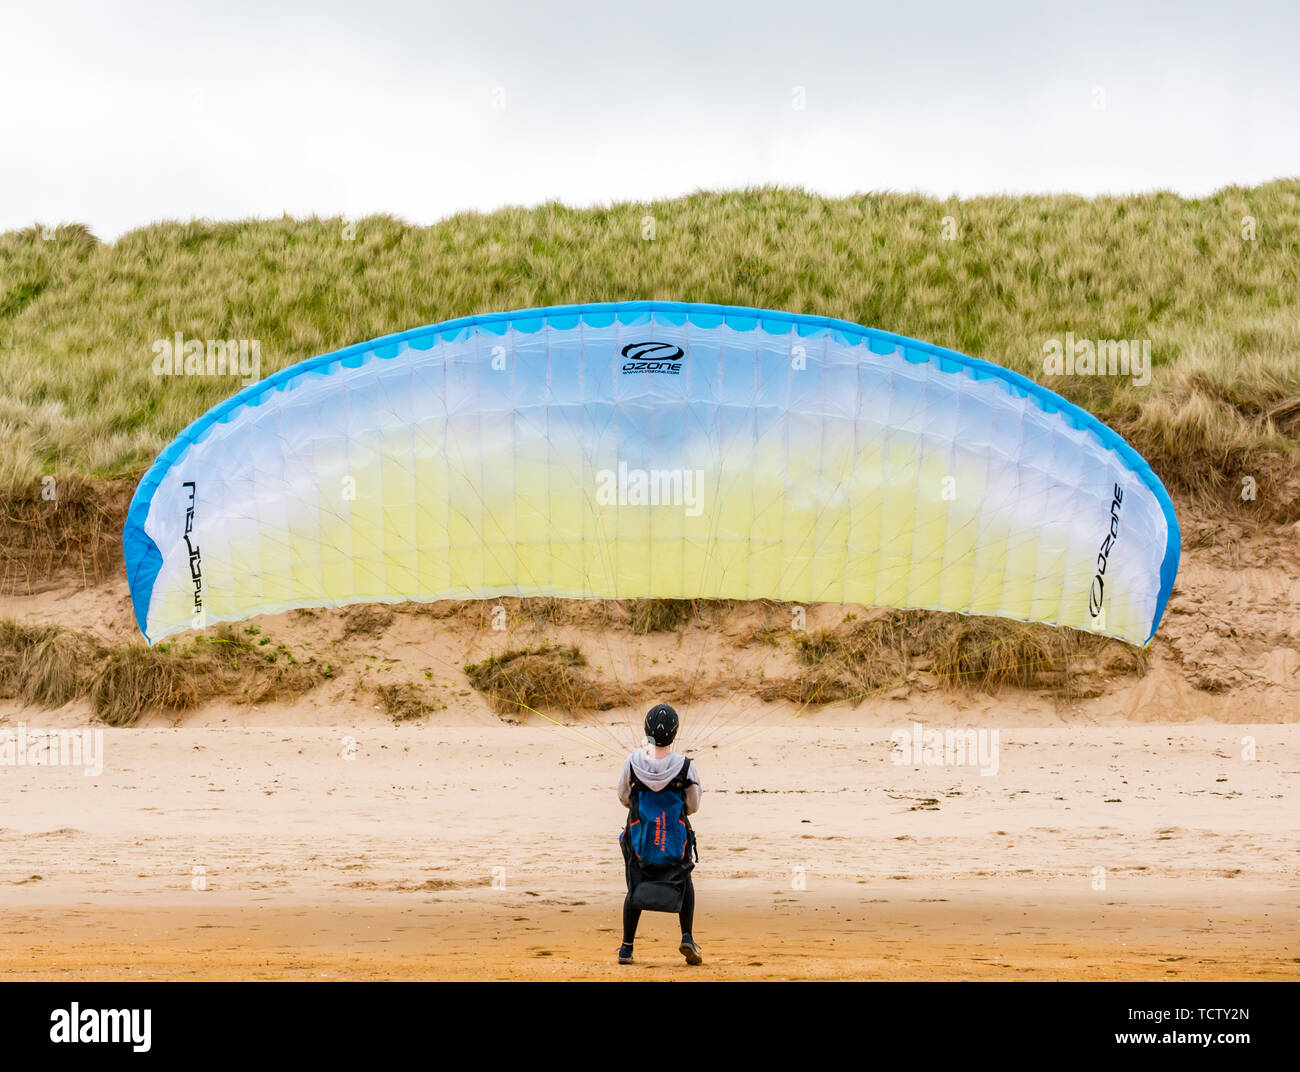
661	357
1096	591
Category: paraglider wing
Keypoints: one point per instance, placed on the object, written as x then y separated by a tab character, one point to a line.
651	449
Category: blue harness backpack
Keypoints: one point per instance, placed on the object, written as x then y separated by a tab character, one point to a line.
658	844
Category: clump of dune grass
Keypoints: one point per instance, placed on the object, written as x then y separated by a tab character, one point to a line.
57	669
17	639
367	619
135	679
848	663
954	651
544	677
45	665
538	612
49	666
265	671
815	685
1285	417
987	654
1223	448
59	527
768	635
282	682
658	615
874	653
544	611
404	701
229	645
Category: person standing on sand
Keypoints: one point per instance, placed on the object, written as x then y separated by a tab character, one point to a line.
659	788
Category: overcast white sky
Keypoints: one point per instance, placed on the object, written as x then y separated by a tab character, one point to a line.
116	114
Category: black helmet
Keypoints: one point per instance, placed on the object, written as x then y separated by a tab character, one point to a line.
661	724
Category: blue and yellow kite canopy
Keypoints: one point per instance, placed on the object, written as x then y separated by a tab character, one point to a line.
652	449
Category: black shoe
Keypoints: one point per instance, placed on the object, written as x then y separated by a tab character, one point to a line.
625	953
690	950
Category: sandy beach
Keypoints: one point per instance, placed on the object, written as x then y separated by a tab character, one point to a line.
367	851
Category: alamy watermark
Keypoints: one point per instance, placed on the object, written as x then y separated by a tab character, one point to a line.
1098	357
180	356
123	1026
625	486
53	748
921	747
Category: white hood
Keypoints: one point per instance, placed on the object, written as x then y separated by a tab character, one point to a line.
655	773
